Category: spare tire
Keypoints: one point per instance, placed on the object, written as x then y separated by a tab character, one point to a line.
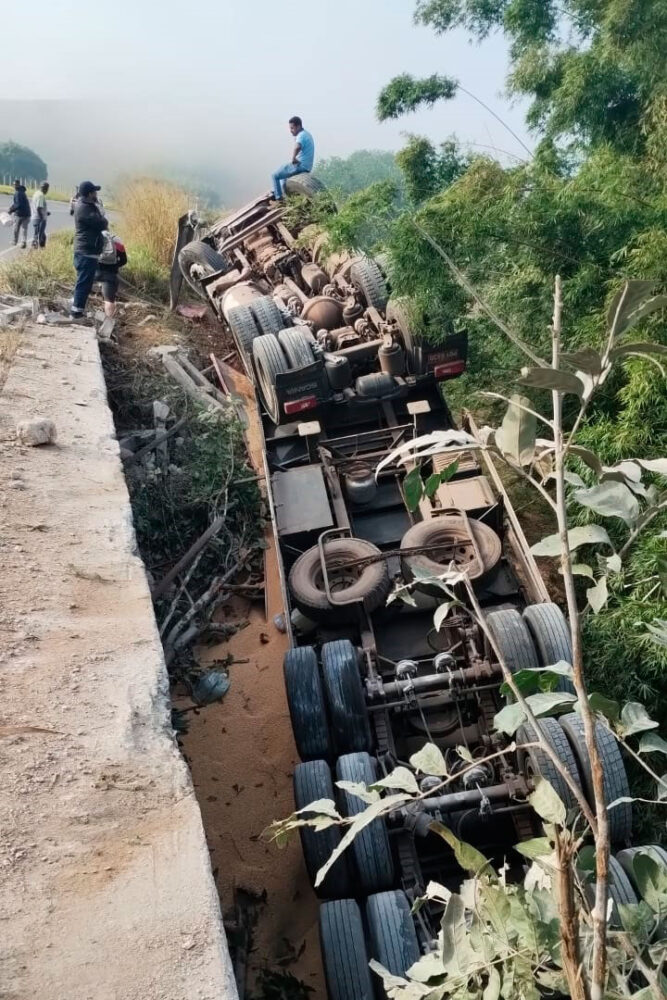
369	584
269	361
449	531
267	314
304	184
297	346
367	277
241	322
199	258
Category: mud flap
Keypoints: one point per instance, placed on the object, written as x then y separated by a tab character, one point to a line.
186	232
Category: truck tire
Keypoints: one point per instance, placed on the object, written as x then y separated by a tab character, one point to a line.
370	848
345	697
304	184
393	939
513	639
620	891
202	257
542	765
626	857
441	531
400	311
367	277
269	360
306	705
312	781
369	585
344	955
267	315
615	779
297	348
244	330
551	635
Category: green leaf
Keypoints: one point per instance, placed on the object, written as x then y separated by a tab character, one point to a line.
509	718
586	359
645	309
550	701
588	457
658	465
535	848
638	920
431	485
360	821
642	348
429	760
527	681
652	743
635	719
449	471
516	435
604	706
429	966
611	499
550	378
651	877
441	613
580	569
657	631
614	563
413	489
587	534
464	754
359	790
400	778
469	858
627	300
598	595
492	988
546	803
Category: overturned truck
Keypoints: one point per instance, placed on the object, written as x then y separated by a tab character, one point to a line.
343	379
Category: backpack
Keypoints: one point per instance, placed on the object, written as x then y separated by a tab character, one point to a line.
113	251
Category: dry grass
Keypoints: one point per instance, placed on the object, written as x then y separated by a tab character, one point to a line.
150	212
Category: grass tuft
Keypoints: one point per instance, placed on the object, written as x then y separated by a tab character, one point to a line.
150	210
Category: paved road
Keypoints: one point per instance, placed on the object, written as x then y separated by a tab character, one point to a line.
59	219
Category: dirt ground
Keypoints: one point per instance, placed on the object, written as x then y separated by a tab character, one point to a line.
240	752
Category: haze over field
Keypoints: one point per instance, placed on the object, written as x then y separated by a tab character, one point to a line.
207	92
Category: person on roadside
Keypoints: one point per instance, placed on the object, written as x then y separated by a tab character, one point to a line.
89	224
20	209
302	157
39	215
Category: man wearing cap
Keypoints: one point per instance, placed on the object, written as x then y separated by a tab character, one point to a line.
89	224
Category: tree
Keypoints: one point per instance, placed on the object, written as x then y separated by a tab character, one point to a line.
344	176
427	170
19	161
593	68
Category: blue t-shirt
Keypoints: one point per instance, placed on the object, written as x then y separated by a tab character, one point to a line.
307	155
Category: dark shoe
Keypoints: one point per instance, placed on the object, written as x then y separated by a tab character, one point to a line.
23	246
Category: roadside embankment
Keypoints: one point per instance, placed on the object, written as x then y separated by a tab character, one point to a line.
107	887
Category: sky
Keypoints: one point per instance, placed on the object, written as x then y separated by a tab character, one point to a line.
206	87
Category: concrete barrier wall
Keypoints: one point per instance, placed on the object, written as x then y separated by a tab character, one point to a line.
107	891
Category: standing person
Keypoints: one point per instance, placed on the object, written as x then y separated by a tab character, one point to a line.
39	209
20	209
302	158
89	223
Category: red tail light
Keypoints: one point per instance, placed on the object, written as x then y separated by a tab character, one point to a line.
299	405
450	369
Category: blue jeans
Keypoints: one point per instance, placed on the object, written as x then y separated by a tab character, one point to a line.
289	170
39	235
85	279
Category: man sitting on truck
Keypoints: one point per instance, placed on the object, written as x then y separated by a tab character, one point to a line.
302	159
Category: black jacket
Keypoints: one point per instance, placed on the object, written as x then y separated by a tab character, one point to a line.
20	205
88	226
